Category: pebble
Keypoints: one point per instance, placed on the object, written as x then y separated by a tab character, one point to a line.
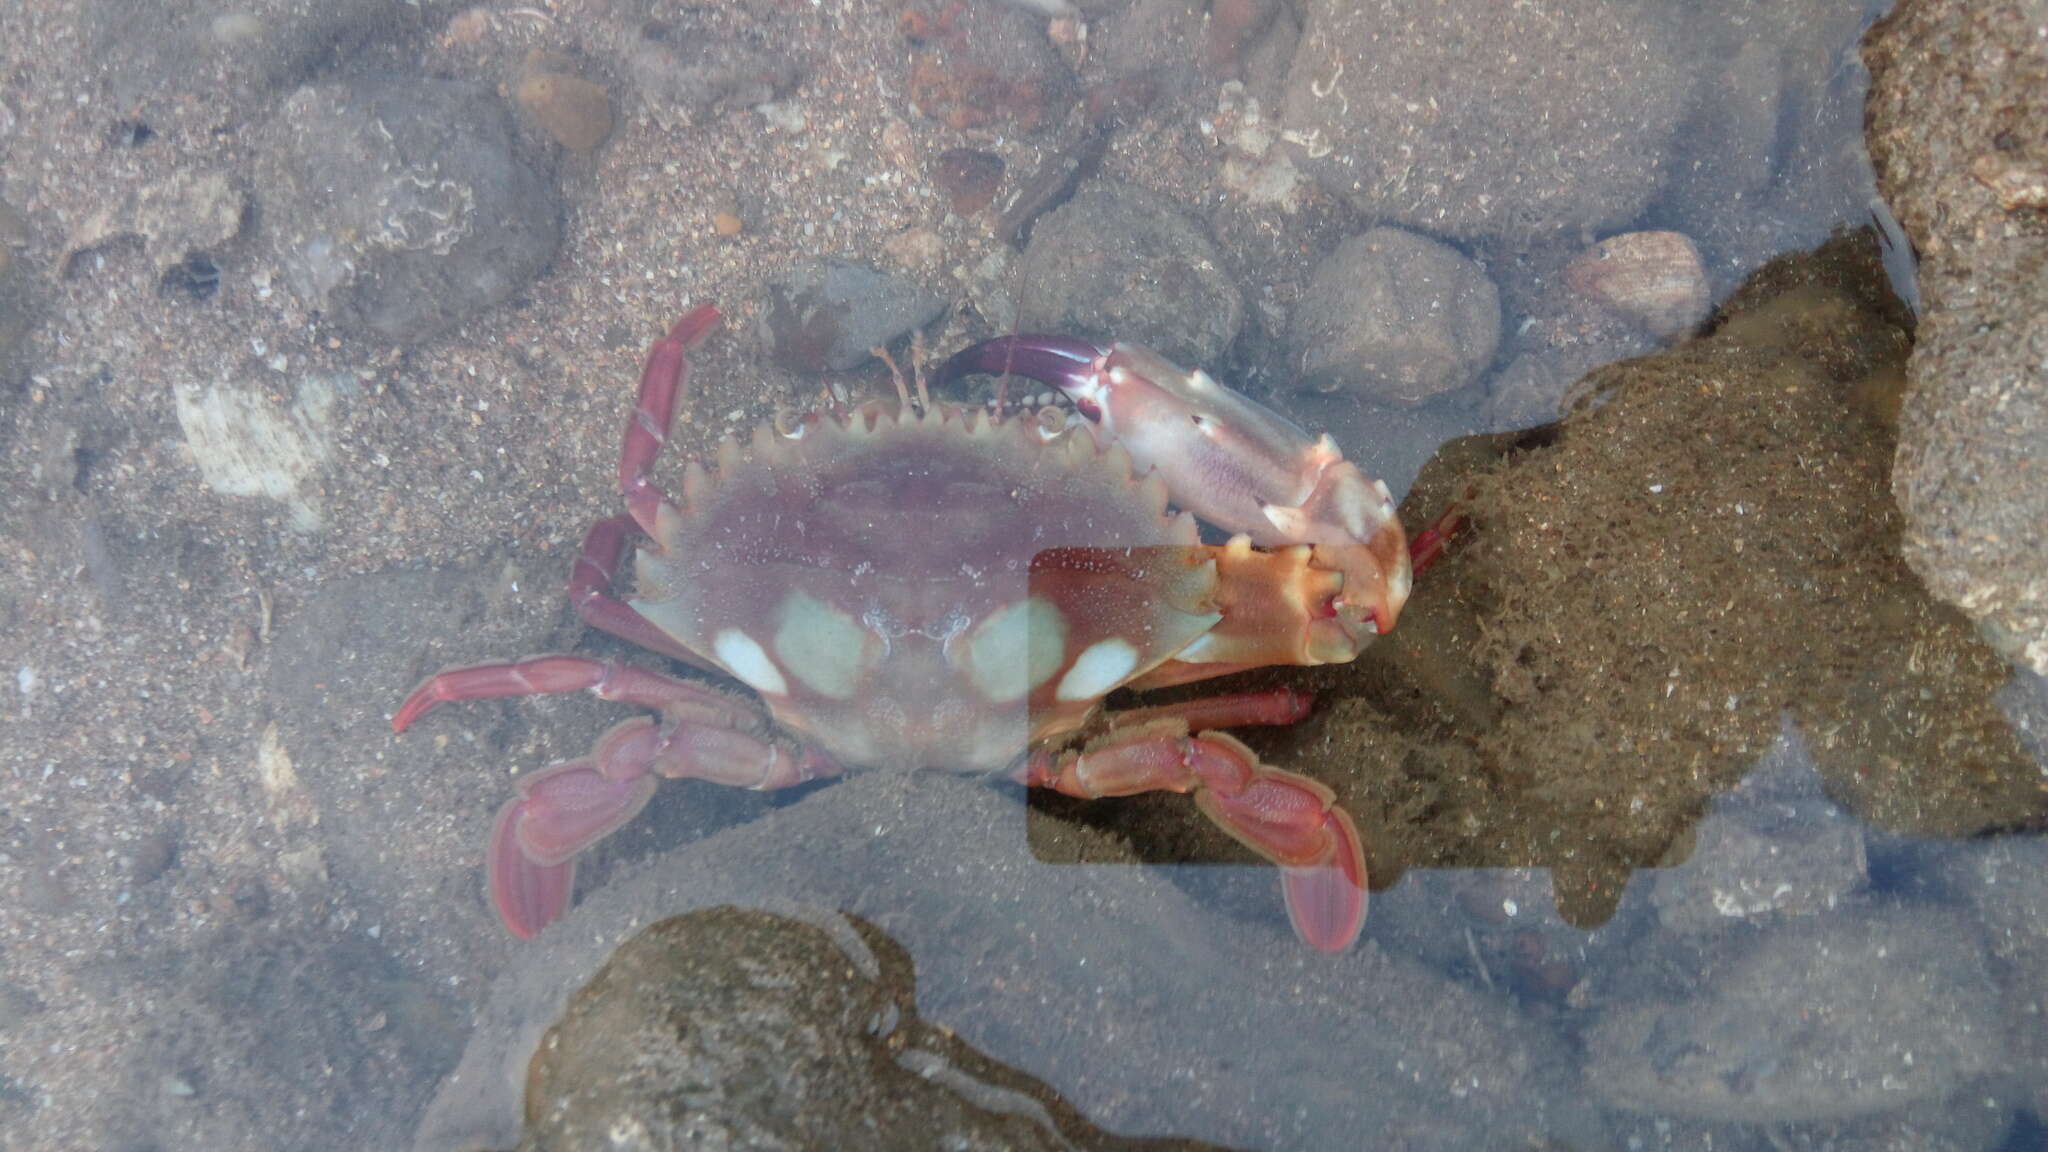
694	65
988	66
574	112
969	177
1655	279
918	247
1397	317
187	214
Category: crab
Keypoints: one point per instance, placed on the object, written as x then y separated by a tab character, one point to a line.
916	584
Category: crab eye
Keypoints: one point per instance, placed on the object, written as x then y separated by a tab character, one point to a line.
822	646
1016	648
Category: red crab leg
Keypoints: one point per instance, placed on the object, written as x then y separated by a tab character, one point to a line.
661	381
1238	710
1288	819
563	809
1428	546
590	582
546	675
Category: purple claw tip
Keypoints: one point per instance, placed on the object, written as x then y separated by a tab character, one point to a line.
1056	360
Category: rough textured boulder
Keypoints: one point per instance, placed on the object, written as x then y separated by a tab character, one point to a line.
1959	94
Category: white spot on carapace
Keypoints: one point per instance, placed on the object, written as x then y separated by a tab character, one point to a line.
742	656
824	647
1102	667
1016	648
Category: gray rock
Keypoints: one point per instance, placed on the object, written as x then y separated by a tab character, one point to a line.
1844	1017
829	315
1476	121
1761	159
17	297
1773	846
402	206
699	58
1952	85
1499	928
1120	263
1964	1124
751	1030
1145	1011
194	65
1395	317
2006	882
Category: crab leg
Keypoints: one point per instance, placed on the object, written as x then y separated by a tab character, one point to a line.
563	809
1237	710
548	675
1288	819
1231	462
590	582
661	381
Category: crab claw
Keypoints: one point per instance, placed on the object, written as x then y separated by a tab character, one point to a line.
1232	462
1061	361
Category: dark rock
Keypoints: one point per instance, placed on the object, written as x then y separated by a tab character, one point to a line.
401	206
1144	1010
752	1030
1478	121
1120	263
1397	318
1959	92
828	316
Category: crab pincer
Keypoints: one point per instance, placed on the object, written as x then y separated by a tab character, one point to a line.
1230	461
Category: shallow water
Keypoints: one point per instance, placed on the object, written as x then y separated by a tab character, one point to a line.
1692	819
